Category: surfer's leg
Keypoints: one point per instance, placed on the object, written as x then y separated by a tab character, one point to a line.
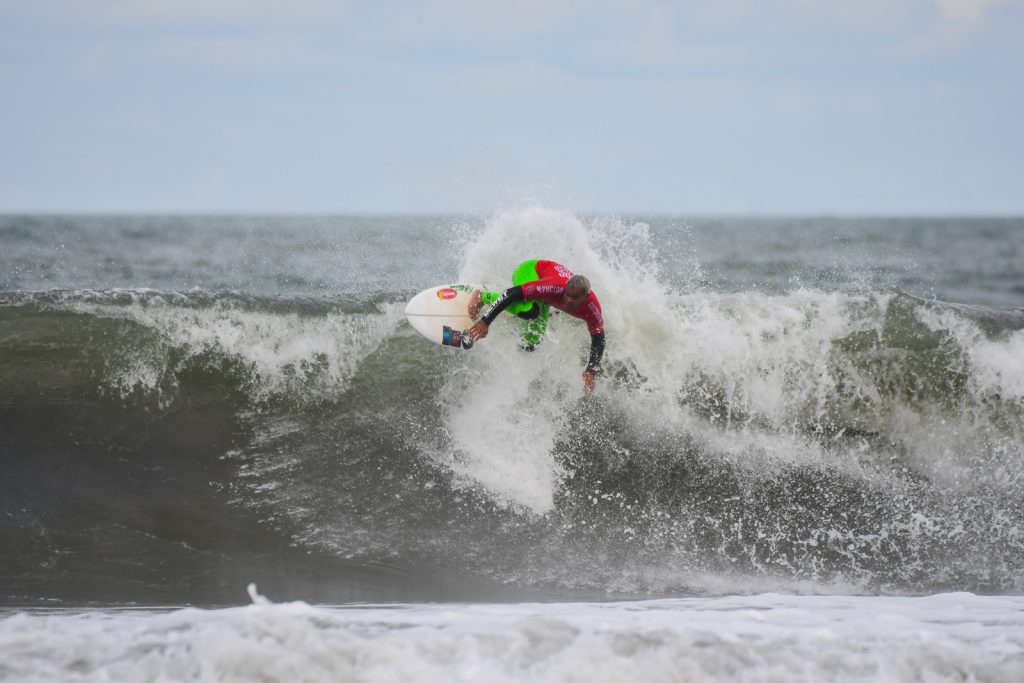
534	313
536	326
524	272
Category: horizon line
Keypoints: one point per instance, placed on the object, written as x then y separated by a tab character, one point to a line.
225	213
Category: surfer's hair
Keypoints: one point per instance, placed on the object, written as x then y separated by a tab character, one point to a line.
578	282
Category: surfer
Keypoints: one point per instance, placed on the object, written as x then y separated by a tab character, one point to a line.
537	286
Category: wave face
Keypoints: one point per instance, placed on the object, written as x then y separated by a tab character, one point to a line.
169	445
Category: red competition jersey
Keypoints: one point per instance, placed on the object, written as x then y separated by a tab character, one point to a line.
549	288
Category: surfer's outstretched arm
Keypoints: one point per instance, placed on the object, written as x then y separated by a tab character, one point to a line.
594	363
596	352
478	298
480	328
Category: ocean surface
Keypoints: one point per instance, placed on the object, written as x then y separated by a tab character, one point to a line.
805	460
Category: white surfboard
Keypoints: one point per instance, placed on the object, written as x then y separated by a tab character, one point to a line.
441	314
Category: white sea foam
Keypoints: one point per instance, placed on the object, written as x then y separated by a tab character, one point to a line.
504	432
996	365
952	637
509	406
950	447
755	377
769	355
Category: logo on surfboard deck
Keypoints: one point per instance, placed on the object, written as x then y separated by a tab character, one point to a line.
446	293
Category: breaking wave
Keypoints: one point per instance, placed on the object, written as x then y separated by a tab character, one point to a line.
870	440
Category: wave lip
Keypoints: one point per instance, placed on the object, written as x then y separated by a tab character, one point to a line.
295	347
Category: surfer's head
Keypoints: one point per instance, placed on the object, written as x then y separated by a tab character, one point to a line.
575	292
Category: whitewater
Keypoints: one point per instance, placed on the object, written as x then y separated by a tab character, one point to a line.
804	461
767	637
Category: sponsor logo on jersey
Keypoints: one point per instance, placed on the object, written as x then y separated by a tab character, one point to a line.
550	289
563	271
446	293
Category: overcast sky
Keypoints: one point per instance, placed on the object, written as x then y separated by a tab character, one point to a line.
693	107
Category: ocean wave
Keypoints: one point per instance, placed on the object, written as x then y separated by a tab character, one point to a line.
868	439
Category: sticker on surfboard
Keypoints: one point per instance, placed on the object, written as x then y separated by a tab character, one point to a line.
457	338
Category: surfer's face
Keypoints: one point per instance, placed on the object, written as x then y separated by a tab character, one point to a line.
573	298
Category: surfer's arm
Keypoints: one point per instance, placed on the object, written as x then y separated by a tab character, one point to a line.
479	329
478	298
489	297
594	364
507	297
596	352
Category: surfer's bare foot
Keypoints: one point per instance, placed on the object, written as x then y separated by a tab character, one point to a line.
475	301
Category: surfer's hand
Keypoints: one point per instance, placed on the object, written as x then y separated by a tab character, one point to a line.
588	381
475	301
478	331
